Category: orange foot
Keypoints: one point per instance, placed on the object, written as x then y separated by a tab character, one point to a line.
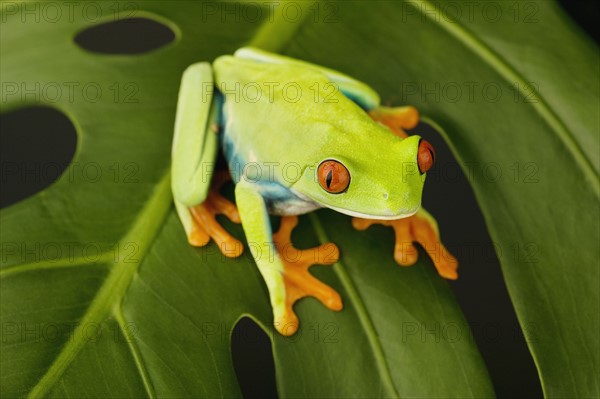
299	283
397	118
205	224
421	228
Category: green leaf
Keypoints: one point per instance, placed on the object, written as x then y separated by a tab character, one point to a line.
151	316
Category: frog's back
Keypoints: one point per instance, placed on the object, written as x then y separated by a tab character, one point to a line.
289	109
230	70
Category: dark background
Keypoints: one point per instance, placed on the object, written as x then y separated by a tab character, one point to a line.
42	136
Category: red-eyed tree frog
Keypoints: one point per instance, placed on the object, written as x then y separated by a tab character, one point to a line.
296	137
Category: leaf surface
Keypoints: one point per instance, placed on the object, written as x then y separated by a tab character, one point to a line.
151	316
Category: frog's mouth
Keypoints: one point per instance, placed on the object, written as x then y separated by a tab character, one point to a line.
388	216
374	216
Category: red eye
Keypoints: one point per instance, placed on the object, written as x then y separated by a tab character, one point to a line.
425	156
333	176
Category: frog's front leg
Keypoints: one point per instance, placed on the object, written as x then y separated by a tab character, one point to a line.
283	267
422	228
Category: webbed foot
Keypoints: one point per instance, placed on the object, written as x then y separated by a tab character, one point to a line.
298	282
422	228
205	225
396	118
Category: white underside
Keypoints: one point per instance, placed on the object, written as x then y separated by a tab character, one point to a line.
369	216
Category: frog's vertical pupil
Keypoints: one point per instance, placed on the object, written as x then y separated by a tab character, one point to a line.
333	176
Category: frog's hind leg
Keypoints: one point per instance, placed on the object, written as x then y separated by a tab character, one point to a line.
203	224
396	118
194	153
195	141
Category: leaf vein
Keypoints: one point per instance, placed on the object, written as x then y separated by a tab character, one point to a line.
362	313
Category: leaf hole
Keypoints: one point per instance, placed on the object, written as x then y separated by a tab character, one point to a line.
253	360
125	36
37	144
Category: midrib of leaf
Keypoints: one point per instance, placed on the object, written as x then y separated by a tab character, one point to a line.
361	311
463	35
145	228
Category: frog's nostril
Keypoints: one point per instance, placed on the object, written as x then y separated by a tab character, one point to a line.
425	156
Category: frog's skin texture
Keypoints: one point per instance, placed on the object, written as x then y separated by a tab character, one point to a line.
297	137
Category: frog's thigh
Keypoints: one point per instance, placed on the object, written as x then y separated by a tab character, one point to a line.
356	90
195	140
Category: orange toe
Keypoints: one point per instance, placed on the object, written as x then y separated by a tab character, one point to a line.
396	118
416	229
205	225
198	236
299	283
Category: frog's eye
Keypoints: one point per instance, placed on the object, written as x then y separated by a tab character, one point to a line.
425	156
333	176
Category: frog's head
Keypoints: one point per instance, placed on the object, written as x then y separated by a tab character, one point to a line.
376	179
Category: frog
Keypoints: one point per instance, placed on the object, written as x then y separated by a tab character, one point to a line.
296	137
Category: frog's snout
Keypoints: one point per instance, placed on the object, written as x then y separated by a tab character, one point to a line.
425	156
